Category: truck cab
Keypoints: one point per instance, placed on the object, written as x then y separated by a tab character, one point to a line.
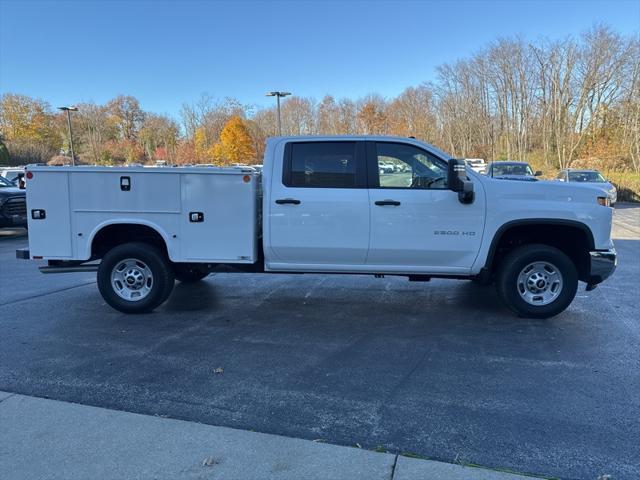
352	204
329	208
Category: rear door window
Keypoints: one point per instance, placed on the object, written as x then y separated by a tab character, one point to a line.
324	165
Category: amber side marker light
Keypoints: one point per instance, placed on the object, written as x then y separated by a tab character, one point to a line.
246	178
604	201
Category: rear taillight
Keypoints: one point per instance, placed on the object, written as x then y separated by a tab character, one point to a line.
29	175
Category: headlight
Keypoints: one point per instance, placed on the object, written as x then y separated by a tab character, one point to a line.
604	201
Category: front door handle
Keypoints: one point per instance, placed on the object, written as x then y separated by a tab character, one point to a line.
382	203
285	201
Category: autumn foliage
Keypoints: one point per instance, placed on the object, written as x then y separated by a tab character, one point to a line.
235	145
555	103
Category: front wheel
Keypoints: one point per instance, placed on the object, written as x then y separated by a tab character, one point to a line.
537	281
135	278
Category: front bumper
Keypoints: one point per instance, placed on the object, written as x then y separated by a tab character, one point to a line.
13	221
603	264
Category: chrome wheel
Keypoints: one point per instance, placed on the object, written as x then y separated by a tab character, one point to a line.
131	279
539	283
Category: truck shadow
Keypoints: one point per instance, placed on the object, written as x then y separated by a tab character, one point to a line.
192	297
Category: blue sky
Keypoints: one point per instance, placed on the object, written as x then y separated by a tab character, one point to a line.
168	52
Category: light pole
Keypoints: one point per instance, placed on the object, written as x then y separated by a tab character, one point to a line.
278	95
69	110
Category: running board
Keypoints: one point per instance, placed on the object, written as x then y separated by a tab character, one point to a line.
69	269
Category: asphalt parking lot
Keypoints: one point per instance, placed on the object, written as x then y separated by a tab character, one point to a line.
435	369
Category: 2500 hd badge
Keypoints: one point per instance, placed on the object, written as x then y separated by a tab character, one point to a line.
454	232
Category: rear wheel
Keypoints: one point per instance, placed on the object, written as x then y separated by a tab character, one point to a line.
135	278
537	281
189	273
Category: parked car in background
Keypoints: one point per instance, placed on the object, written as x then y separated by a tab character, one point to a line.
511	170
477	164
589	176
386	167
13	205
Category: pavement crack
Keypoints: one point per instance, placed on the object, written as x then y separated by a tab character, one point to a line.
18	300
393	467
7	397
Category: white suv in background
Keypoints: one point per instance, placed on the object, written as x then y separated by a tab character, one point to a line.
477	164
11	173
14	175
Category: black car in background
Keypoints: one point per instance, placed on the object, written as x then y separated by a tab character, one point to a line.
13	205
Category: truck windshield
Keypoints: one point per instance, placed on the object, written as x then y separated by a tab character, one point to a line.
591	177
5	183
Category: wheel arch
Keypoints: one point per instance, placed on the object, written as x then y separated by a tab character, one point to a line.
537	229
111	233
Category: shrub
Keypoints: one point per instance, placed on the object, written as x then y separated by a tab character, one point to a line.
627	183
4	154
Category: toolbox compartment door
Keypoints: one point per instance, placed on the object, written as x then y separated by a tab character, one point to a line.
218	222
49	235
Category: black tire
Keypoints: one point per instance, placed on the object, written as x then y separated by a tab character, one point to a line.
161	284
189	273
507	283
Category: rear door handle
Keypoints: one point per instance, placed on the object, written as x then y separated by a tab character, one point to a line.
382	203
285	201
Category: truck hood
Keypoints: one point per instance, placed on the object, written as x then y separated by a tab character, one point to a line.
522	178
11	192
543	190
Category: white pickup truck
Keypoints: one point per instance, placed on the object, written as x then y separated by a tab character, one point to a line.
321	205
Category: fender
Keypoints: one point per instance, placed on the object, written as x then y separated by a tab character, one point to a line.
534	221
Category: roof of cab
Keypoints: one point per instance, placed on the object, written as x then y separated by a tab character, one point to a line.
371	138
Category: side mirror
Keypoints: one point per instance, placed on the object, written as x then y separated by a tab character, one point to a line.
538	173
458	181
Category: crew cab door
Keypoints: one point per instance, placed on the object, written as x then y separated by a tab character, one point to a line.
417	223
318	207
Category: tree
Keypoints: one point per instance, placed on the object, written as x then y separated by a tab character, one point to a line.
201	147
372	117
210	116
298	116
328	121
235	145
92	131
4	153
126	115
123	151
412	114
28	128
159	133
